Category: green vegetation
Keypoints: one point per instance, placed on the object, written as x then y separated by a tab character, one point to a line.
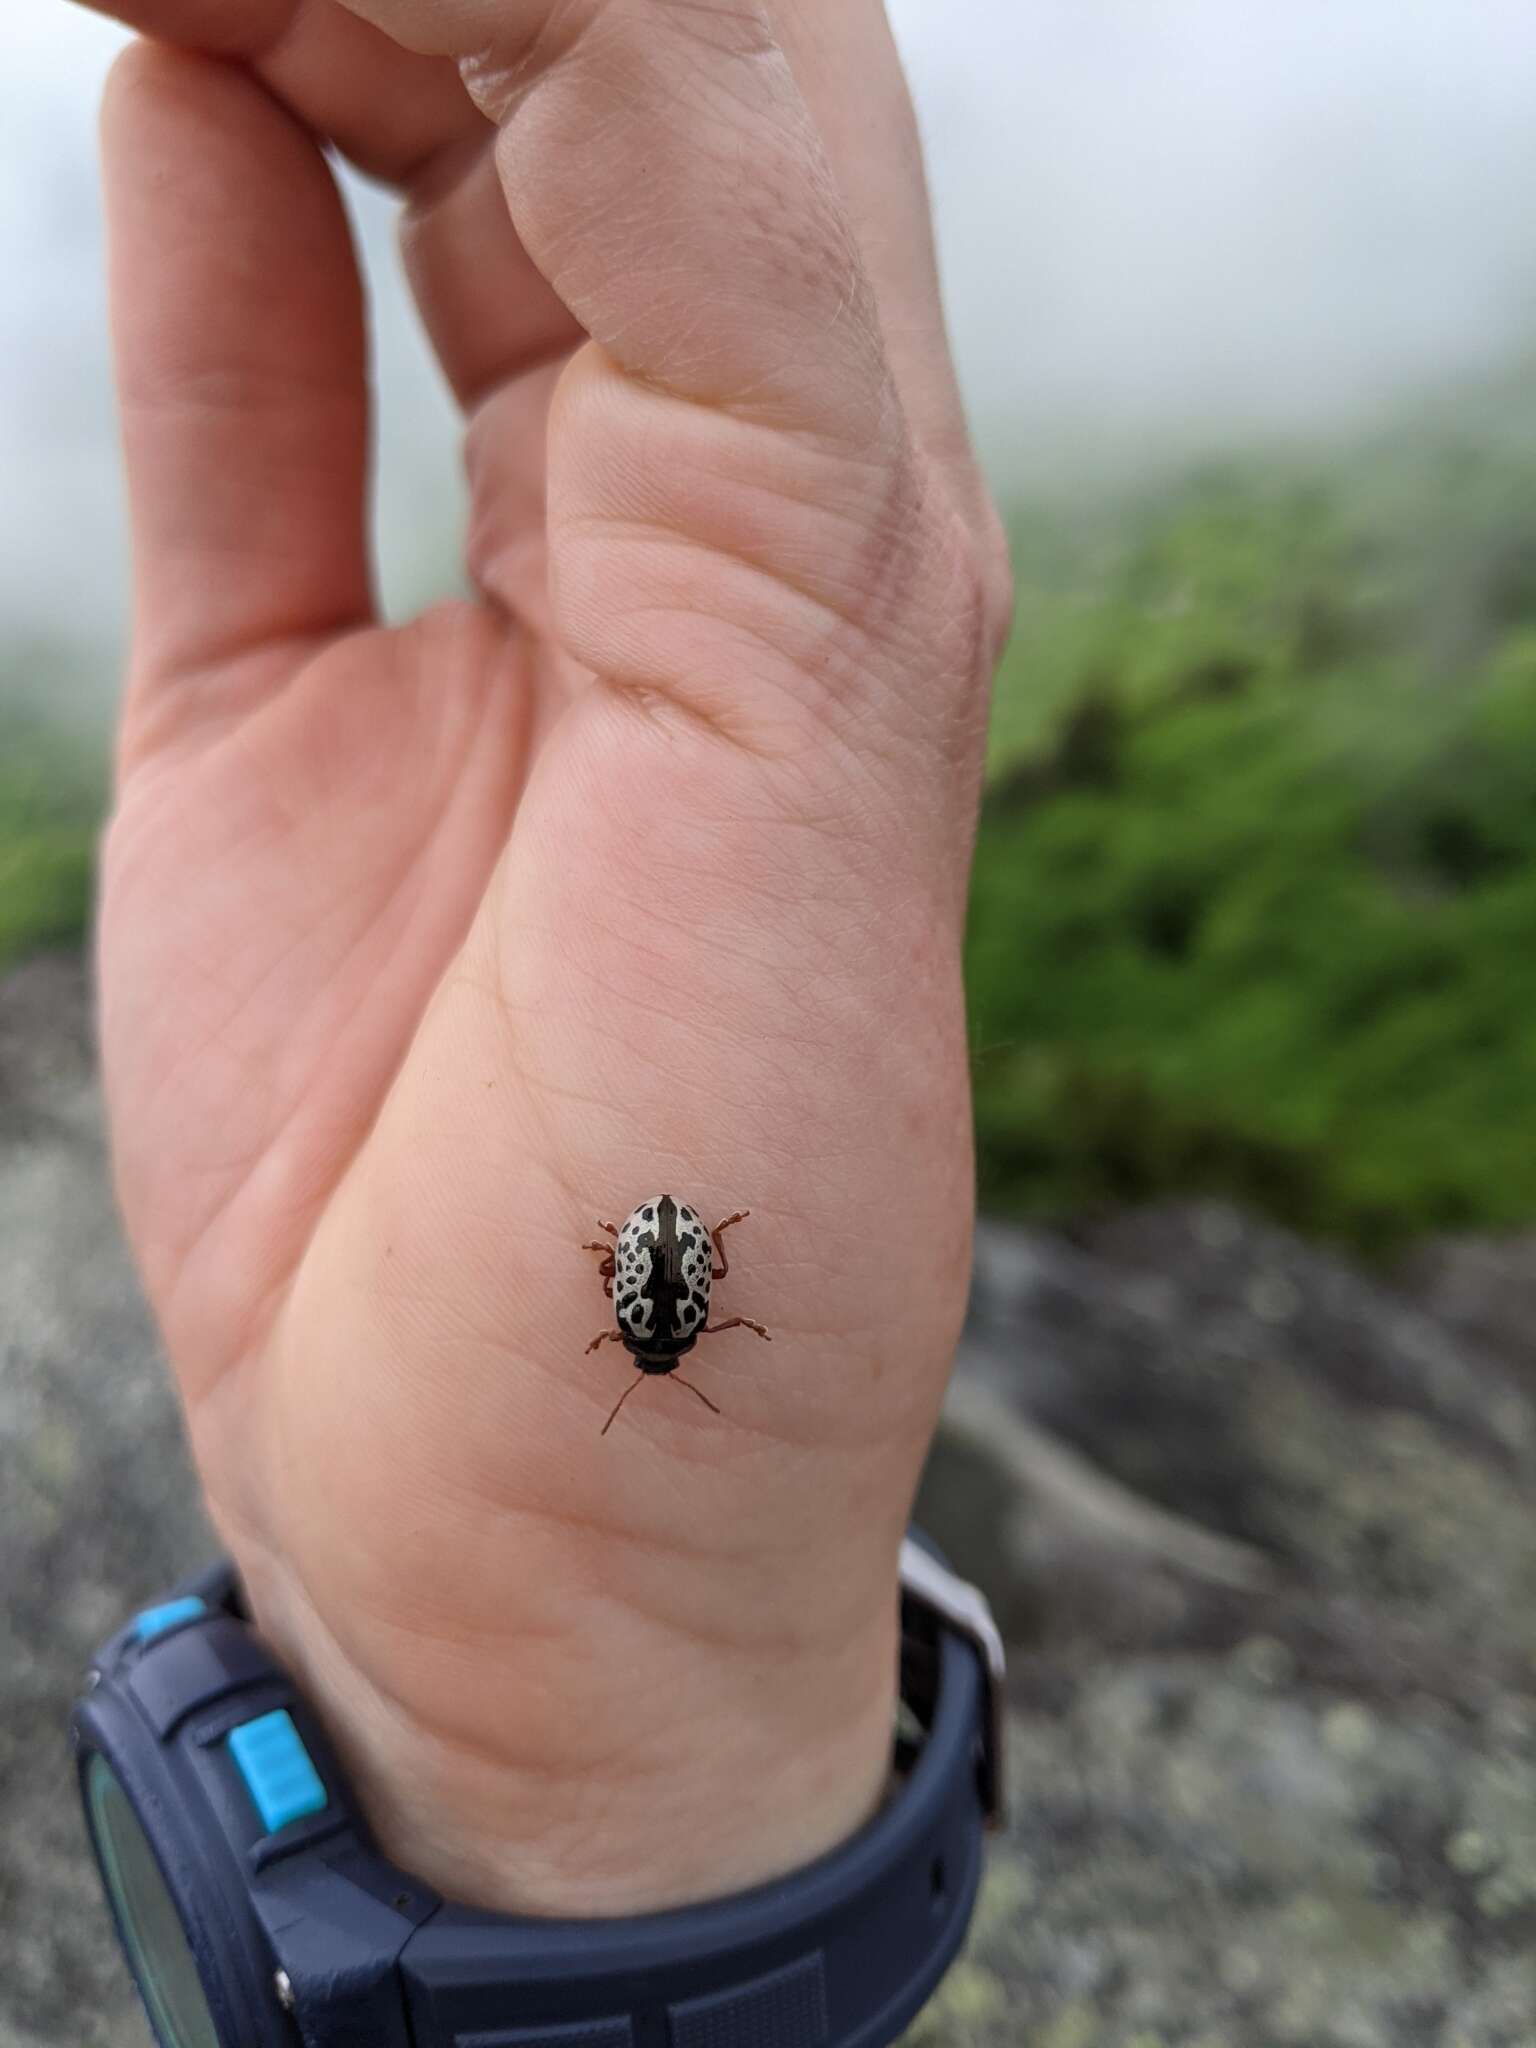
1255	901
50	799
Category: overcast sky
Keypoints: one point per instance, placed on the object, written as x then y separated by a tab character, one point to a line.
1165	224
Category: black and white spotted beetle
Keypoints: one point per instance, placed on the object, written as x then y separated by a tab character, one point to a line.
657	1274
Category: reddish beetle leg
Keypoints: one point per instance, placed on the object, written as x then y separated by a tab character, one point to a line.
606	1269
723	1268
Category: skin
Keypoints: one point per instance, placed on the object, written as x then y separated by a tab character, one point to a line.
421	949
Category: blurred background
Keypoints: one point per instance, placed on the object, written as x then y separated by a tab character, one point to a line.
1244	300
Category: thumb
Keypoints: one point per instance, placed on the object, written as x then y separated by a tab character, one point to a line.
740	516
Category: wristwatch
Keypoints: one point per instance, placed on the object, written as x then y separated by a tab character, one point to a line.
255	1910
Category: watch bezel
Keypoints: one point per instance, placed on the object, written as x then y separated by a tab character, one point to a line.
196	1867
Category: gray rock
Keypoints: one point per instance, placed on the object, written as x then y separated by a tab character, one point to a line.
97	1504
1259	1527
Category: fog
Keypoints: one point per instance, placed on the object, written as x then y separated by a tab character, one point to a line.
1165	228
1194	220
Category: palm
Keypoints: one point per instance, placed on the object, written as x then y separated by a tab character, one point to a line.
422	949
344	861
323	859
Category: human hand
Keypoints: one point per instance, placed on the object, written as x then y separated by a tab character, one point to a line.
421	949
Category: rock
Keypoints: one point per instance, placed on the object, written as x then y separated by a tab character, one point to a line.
1258	1525
1261	1530
1484	1287
98	1507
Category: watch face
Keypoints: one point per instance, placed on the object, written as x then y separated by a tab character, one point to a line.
158	1951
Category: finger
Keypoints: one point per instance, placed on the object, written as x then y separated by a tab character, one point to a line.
667	180
507	543
408	120
238	327
489	312
846	64
392	113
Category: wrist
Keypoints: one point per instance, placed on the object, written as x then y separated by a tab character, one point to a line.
609	1764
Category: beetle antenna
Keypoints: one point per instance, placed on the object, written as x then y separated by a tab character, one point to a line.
613	1418
694	1390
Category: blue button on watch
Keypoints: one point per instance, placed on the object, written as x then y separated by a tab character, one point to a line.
270	1756
255	1909
158	1621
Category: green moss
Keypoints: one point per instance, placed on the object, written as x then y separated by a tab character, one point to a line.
45	889
1256	880
50	800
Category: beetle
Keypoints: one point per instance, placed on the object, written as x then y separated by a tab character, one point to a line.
657	1273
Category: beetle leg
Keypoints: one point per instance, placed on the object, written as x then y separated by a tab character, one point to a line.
611	1228
607	1337
724	1266
607	1269
613	1418
735	1323
677	1376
